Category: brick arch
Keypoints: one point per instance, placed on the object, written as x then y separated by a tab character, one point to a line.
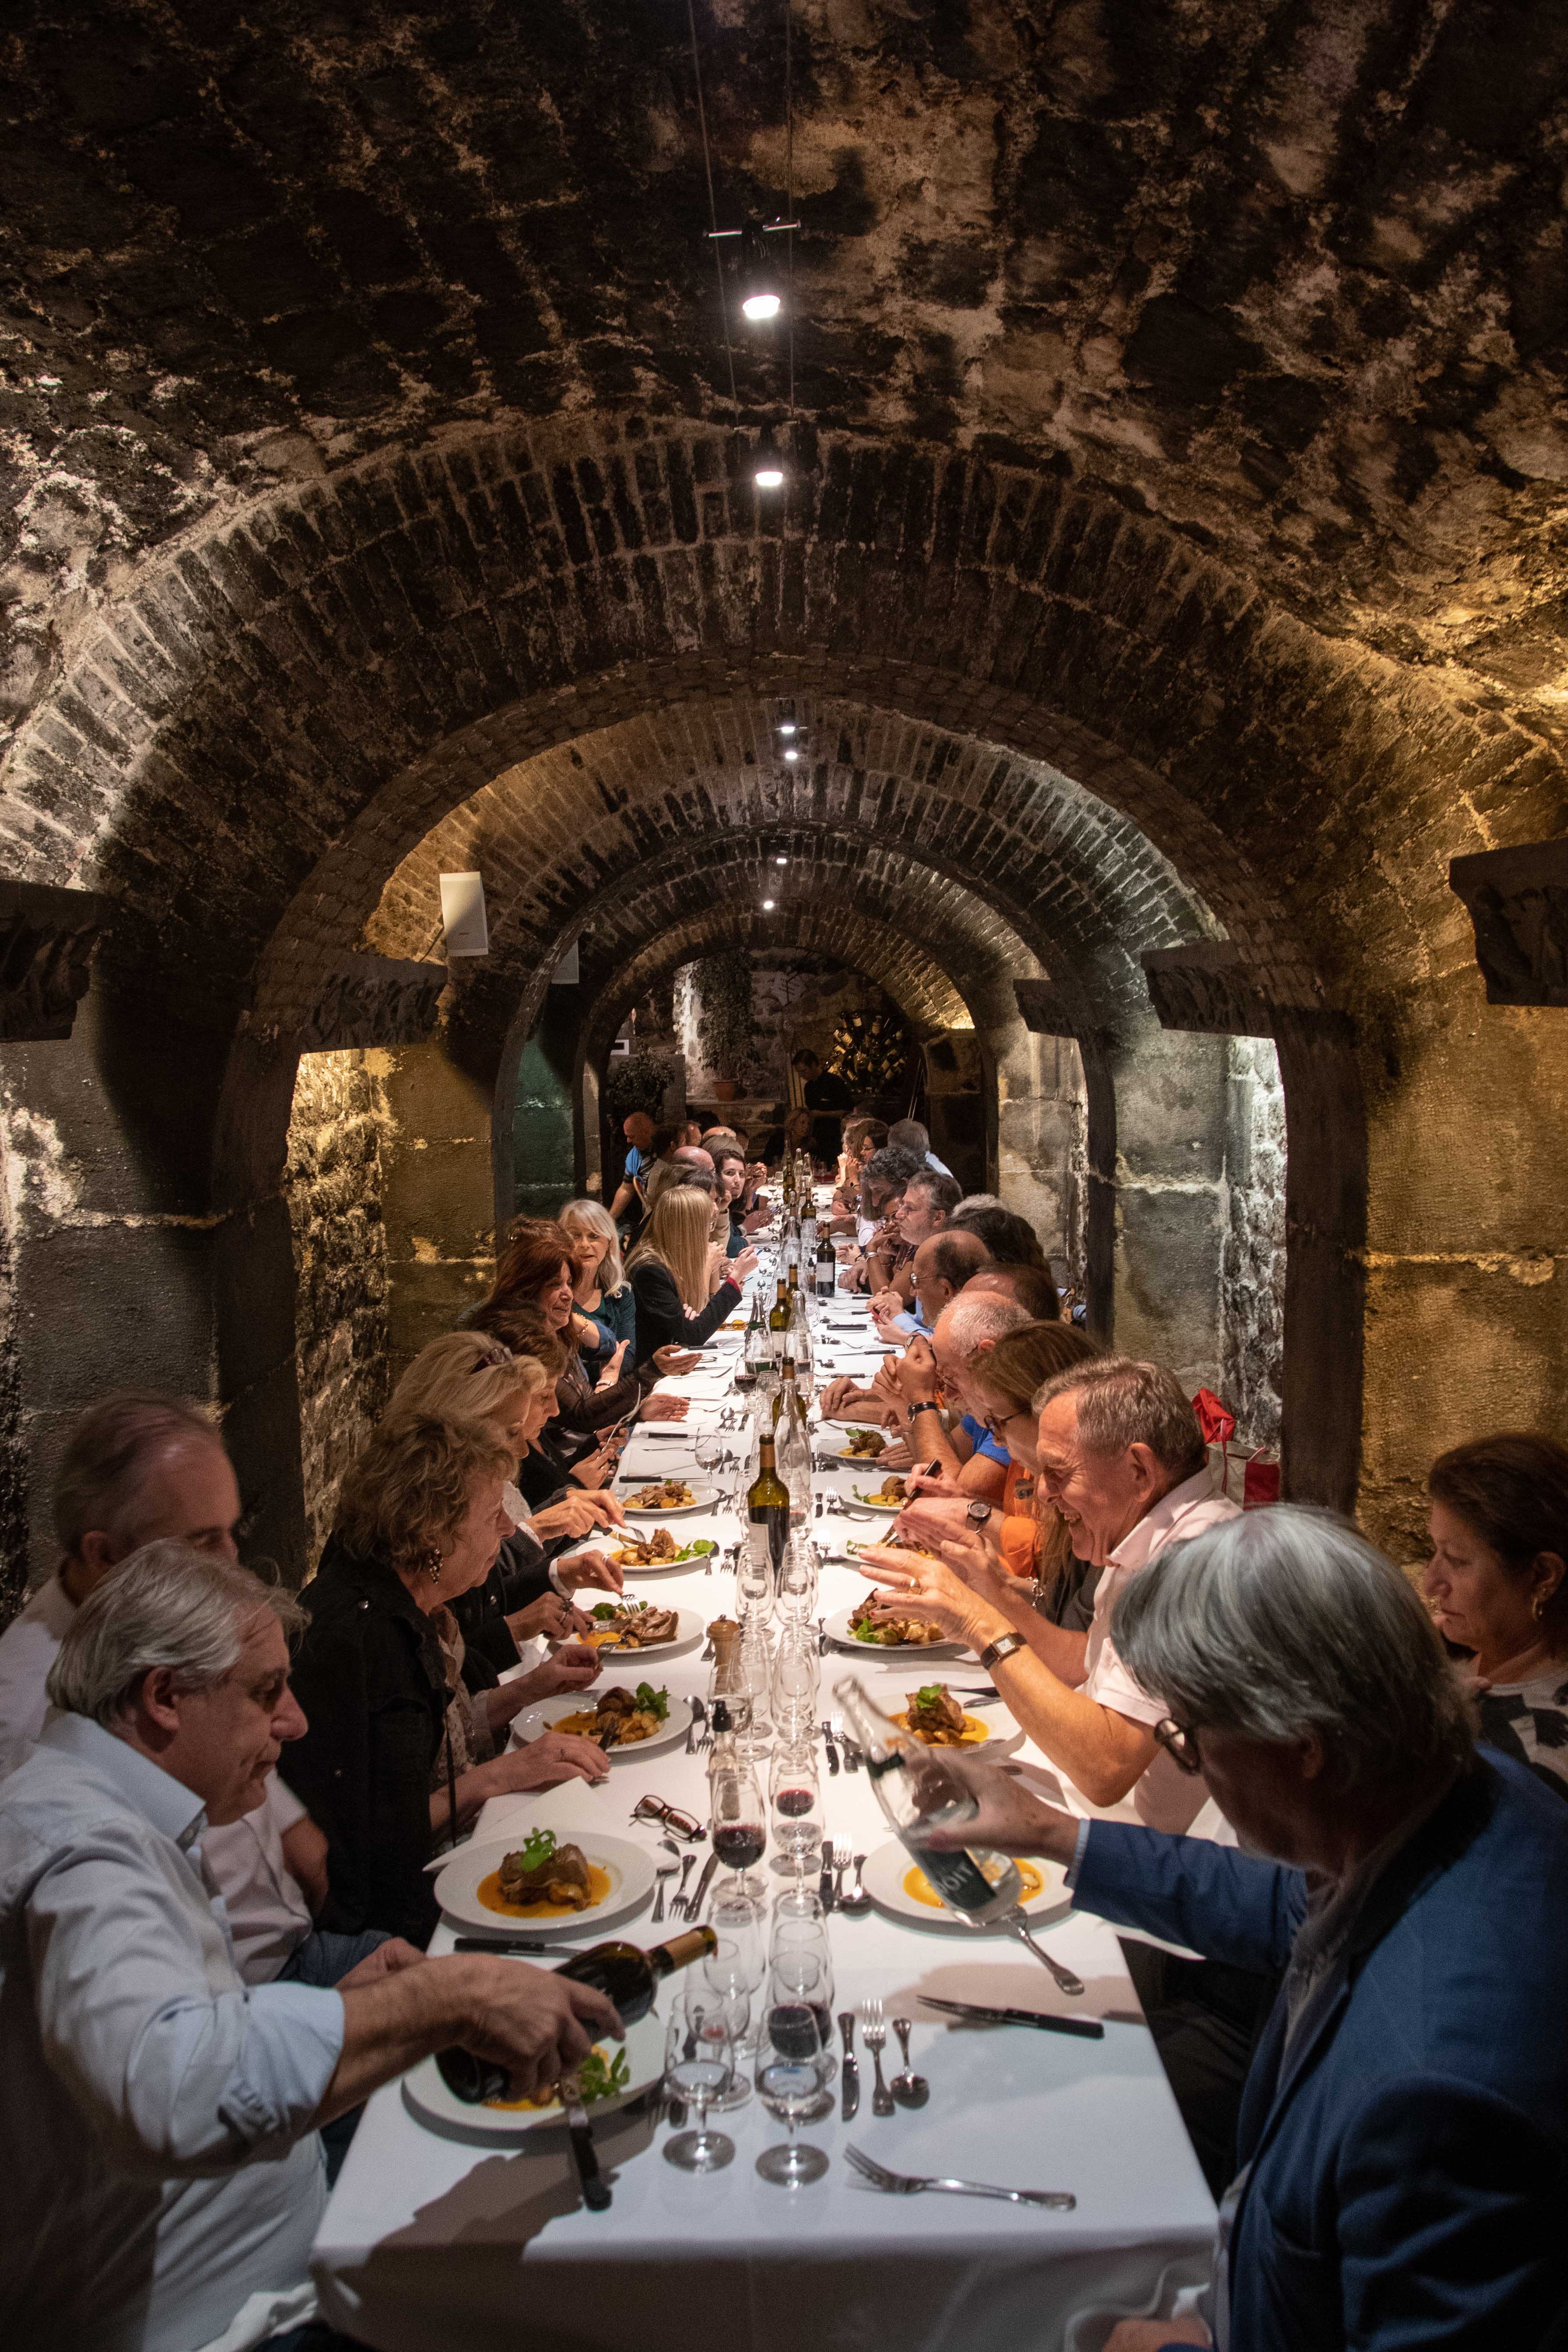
279	710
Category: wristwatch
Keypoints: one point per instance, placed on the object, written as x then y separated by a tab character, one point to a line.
1002	1647
977	1514
923	1404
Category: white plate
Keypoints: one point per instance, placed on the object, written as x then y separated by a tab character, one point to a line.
883	1879
430	2102
534	1721
838	1631
689	1633
666	1567
629	1869
705	1493
864	1462
859	1499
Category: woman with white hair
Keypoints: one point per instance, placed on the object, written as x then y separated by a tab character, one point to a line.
600	1287
1404	2133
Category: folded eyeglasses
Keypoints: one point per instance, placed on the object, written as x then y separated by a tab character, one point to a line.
654	1808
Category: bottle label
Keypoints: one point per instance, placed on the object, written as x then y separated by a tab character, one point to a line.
957	1878
767	1536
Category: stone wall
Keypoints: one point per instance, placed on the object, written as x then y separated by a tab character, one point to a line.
1042	1129
339	1128
796	998
1252	1275
12	1449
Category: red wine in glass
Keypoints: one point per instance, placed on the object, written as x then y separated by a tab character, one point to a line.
738	1844
793	1802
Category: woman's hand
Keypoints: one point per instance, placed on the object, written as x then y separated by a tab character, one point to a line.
569	1669
914	1586
575	1515
595	1569
845	1396
585	1331
611	1372
755	1219
545	1763
655	1407
549	1615
740	1269
595	1468
673	1361
1011	1820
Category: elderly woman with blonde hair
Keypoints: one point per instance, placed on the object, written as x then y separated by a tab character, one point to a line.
470	1375
401	1749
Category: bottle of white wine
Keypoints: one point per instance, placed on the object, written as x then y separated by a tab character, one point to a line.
778	1317
793	1445
918	1790
631	1978
767	1512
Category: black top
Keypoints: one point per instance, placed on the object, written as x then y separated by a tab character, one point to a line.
368	1673
829	1098
662	1318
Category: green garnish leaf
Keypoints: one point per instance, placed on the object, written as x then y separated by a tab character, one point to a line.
651	1701
537	1848
601	2078
929	1694
697	1550
604	1609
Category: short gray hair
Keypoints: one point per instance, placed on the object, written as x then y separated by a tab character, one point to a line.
911	1135
1122	1401
110	1448
1285	1622
969	1322
167	1605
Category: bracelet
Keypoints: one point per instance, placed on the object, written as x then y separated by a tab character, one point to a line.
1003	1646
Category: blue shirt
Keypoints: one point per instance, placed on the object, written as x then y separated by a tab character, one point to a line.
980	1437
154	2112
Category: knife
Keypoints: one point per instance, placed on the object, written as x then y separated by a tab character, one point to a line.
850	2072
1088	2027
832	1752
516	1944
825	1883
596	2195
694	1900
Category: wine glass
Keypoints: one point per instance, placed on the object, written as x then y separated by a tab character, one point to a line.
757	1670
739	1822
795	1796
736	1965
710	1450
789	2074
797	1578
700	2062
727	1686
795	1676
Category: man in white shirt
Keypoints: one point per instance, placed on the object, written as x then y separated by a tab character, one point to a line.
159	2120
136	1468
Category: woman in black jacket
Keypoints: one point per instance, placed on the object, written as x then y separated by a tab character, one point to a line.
399	1754
669	1271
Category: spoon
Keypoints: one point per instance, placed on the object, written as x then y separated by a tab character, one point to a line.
853	1903
910	2090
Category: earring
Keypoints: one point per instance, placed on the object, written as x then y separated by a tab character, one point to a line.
433	1565
1538	1606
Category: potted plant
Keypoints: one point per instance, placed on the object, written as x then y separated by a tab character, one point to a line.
724	1020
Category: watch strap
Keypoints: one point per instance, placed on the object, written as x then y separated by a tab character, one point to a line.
1003	1646
923	1404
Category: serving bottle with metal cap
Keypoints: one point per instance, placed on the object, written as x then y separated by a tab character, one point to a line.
918	1790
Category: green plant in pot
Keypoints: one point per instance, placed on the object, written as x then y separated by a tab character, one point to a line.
724	1020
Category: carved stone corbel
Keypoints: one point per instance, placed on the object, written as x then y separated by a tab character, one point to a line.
1518	903
373	1001
1207	988
1042	1010
47	939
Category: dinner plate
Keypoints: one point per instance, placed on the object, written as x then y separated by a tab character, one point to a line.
838	1631
972	1723
883	1879
867	1501
628	1868
705	1495
666	1567
536	1720
864	1462
689	1633
430	2102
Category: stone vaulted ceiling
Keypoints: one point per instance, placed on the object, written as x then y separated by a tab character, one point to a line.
1289	276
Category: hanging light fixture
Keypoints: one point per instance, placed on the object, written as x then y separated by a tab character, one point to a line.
762	289
768	906
768	472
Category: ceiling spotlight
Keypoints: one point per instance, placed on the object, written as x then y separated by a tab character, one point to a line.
762	281
780	861
787	727
792	753
761	305
768	472
768	906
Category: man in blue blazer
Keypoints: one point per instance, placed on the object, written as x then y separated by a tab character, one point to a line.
1404	2133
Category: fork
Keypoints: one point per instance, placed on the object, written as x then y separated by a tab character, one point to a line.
909	2184
874	2035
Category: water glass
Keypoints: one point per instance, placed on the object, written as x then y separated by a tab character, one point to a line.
797	1578
710	1450
794	1798
736	1965
700	2065
790	2074
797	1670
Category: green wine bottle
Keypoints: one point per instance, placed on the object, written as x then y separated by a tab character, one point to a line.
767	1511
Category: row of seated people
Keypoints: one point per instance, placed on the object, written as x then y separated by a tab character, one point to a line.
391	1732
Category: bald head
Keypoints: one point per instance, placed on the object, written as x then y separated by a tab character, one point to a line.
967	1331
942	1267
692	1155
1030	1287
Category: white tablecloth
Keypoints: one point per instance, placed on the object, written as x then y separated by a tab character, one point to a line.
430	2243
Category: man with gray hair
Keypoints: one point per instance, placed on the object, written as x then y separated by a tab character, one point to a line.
159	2119
912	1135
1404	2134
138	1466
963	1449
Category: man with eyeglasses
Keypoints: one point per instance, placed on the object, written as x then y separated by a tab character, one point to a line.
1397	2175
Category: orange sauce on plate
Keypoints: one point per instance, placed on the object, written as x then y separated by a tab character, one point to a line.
918	1888
551	2098
489	1895
974	1731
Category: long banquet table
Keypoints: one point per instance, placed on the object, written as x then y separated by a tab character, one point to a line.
430	2243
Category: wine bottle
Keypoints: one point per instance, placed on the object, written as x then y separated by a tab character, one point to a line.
629	1976
918	1790
756	1348
827	1268
767	1511
793	1445
778	1314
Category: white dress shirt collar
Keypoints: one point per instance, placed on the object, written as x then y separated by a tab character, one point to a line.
1160	1525
173	1809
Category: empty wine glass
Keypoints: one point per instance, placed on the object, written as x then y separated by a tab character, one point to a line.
736	1965
790	2075
739	1822
710	1450
795	1796
797	1578
797	1671
699	2063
